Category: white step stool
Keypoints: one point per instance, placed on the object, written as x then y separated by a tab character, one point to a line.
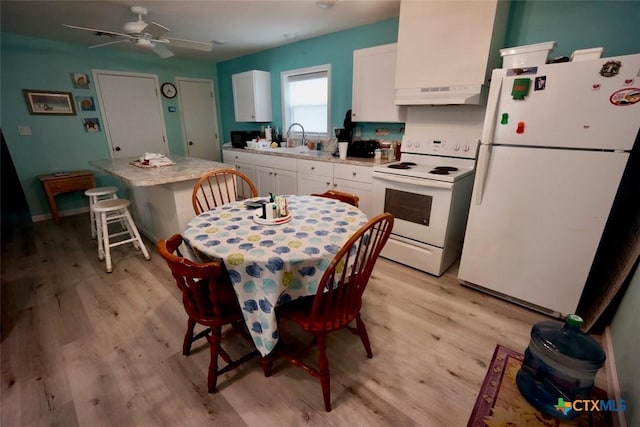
95	195
107	211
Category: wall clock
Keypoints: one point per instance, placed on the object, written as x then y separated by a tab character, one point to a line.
169	90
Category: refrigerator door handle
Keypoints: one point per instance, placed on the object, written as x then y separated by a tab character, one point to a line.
488	131
484	153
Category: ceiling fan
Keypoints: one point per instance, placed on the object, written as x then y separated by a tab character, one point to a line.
146	35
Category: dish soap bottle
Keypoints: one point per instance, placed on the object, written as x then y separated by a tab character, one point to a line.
559	366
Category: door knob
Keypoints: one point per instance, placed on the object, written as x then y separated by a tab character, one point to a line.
190	142
117	148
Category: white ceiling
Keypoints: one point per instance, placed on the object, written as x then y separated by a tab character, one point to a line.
246	26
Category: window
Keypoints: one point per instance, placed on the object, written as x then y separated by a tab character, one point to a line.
306	100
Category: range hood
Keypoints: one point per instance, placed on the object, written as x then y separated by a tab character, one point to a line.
447	50
443	95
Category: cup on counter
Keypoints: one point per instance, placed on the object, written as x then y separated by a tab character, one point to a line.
342	149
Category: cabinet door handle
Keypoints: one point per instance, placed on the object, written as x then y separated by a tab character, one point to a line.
117	148
328	183
270	173
275	173
335	185
313	168
354	173
190	142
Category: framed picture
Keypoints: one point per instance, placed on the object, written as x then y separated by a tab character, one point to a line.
80	80
49	102
91	124
86	103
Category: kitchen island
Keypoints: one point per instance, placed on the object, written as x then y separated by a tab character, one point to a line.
160	196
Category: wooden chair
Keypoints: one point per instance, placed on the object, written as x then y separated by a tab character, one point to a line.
352	199
221	186
338	300
209	300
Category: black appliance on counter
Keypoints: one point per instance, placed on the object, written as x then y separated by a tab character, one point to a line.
239	138
364	148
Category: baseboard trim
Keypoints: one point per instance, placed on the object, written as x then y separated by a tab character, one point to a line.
613	385
70	212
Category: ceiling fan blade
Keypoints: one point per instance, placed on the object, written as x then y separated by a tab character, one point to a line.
161	51
155	30
190	44
97	30
108	43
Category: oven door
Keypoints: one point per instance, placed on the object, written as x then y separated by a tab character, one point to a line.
420	206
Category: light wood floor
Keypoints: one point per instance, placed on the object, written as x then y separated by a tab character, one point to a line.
83	347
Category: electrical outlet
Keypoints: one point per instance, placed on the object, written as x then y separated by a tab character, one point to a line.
24	130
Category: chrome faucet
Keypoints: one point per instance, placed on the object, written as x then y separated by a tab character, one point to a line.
304	139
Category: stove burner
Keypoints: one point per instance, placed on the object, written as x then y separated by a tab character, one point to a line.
439	172
446	168
399	166
408	163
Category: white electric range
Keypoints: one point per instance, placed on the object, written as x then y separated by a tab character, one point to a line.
428	192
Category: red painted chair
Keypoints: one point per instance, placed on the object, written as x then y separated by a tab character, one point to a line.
352	199
221	186
209	300
338	299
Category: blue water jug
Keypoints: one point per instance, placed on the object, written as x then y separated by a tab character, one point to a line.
559	366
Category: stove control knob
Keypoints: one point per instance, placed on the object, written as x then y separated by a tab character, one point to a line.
456	147
465	147
410	143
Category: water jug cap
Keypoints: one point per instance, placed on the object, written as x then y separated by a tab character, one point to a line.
574	320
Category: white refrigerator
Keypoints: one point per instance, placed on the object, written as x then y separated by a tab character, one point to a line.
550	162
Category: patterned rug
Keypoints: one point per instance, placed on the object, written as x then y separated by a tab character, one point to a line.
500	403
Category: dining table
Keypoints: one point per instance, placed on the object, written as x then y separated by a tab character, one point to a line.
271	264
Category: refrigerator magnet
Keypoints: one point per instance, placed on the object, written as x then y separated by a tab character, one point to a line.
520	88
610	68
540	83
624	97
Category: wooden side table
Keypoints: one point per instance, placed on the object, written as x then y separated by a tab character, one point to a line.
57	183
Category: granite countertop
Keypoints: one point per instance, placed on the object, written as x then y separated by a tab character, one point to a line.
323	156
185	168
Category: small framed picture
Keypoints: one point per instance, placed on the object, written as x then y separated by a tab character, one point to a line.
50	103
80	80
91	124
85	103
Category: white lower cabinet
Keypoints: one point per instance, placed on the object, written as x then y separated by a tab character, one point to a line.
276	175
242	162
288	175
314	176
356	180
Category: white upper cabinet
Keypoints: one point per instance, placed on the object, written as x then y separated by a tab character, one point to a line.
447	49
374	71
252	96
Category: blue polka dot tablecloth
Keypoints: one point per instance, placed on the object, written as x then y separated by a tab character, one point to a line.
273	264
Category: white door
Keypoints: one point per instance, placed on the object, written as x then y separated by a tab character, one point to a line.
536	230
132	113
199	118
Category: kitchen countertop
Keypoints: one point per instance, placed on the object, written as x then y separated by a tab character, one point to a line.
185	168
323	156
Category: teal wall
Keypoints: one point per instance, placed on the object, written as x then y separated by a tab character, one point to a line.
626	344
335	49
60	143
576	24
